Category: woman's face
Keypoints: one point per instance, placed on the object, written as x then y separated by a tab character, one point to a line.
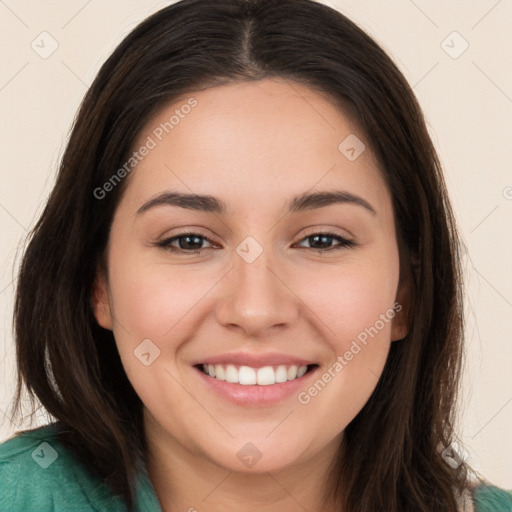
290	263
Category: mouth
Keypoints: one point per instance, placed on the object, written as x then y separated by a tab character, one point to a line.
250	376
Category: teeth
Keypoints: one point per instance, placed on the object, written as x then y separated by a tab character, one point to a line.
265	376
231	373
292	372
248	376
219	372
281	374
301	371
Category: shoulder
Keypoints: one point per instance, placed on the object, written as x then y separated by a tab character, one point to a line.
489	498
38	473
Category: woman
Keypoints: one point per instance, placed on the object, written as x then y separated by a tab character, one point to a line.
244	292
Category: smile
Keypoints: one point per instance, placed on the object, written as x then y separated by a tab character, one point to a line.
248	376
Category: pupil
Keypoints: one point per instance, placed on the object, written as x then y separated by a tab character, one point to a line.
323	239
185	242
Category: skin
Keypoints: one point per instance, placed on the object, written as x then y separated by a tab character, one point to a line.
254	145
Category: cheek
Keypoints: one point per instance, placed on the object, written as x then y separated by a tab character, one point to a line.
160	303
351	299
354	305
151	299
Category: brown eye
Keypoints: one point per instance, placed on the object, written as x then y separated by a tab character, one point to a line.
186	242
324	242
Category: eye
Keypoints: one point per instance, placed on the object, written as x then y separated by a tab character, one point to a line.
323	242
186	242
192	243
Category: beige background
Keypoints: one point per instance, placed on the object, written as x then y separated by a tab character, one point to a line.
468	105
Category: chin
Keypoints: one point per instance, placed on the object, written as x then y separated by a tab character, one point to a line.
258	456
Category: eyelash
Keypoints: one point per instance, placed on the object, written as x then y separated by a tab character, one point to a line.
344	243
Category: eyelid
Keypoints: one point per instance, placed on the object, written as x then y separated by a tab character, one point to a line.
185	230
329	230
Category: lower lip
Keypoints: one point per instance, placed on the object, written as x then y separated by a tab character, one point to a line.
257	395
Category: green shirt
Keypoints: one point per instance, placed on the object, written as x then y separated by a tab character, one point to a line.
37	474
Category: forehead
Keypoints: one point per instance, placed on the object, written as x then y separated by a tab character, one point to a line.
270	139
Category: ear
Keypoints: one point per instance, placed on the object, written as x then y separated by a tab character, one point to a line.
100	300
401	323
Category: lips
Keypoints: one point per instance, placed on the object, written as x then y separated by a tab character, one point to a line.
256	395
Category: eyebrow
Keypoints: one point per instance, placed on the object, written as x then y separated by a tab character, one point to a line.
211	204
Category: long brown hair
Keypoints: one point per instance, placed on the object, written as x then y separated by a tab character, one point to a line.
70	364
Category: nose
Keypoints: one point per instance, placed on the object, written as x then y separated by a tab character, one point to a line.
256	297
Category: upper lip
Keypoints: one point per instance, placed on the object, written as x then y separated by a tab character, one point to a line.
255	360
